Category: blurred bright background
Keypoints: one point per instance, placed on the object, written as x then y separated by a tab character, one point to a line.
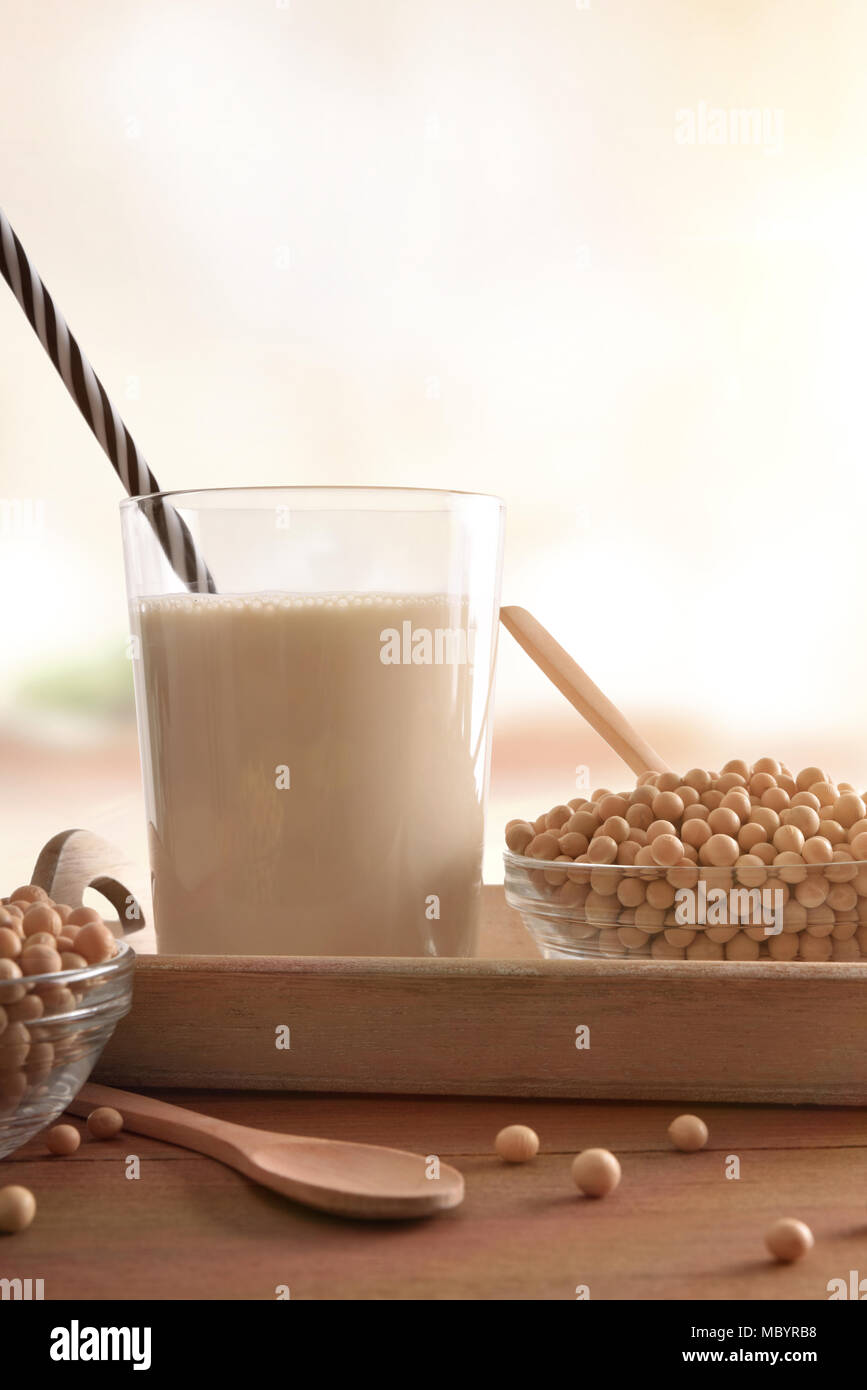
503	247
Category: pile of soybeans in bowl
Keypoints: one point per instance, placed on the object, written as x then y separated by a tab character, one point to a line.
64	983
754	862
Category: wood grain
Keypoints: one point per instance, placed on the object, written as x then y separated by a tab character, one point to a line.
676	1227
662	1030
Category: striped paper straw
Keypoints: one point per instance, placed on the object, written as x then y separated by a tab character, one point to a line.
89	394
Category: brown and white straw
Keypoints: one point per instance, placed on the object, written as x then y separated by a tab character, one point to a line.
89	394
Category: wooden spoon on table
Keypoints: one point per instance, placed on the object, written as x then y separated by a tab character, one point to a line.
358	1180
581	692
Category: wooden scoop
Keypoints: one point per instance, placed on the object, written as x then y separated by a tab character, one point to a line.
580	691
359	1180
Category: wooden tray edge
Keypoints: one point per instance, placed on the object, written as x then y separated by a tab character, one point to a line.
446	967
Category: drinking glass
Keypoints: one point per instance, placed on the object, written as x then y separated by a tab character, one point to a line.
315	736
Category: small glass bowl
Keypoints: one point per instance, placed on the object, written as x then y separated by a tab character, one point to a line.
793	912
52	1030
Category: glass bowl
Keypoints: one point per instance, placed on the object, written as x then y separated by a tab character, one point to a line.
52	1030
790	912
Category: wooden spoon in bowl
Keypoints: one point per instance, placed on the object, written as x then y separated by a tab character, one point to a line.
357	1180
580	691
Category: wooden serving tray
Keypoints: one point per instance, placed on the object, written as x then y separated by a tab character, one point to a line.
501	1024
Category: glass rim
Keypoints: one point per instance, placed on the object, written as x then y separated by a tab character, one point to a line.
523	861
339	489
124	956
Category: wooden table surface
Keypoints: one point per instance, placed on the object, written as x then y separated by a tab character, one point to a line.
676	1227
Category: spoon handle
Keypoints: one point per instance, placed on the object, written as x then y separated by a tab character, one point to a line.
159	1120
580	691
